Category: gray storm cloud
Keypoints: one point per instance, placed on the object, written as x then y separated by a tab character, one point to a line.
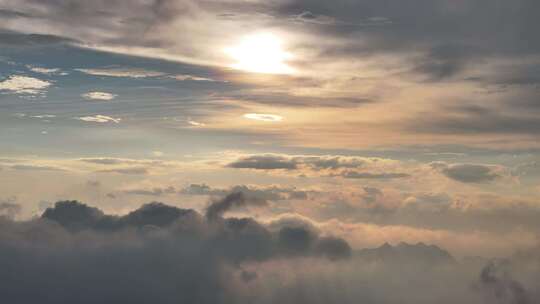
500	287
164	254
231	201
467	173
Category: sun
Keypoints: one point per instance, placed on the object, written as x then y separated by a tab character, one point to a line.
260	53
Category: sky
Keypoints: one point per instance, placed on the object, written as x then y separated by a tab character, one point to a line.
369	122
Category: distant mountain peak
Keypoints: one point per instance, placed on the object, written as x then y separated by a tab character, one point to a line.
405	252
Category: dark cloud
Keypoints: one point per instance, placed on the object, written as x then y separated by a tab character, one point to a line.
508	75
477	120
368	175
4	13
468	173
164	254
296	241
11	39
333	248
421	22
76	217
264	162
283	98
309	17
499	287
330	162
442	39
285	162
443	62
99	257
231	201
151	192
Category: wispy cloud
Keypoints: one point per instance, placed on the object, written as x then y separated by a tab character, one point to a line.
46	71
195	123
24	167
99	119
186	77
127	171
263	117
371	175
122	72
43	116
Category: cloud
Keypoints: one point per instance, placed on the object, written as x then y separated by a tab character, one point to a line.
213	228
201	189
309	17
292	162
122	72
109	161
499	286
43	116
127	171
185	77
476	120
24	167
443	62
264	117
264	162
201	261
272	193
142	73
443	57
468	173
368	175
158	153
99	119
290	98
46	71
230	260
24	85
9	208
323	166
231	201
104	96
151	192
5	13
130	167
195	123
11	39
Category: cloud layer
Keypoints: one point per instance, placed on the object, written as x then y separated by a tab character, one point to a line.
185	256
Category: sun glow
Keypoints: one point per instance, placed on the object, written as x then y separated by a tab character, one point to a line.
260	53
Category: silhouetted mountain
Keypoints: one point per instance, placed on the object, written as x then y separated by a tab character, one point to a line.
406	253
